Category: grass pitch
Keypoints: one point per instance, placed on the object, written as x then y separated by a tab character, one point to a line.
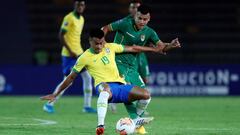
173	116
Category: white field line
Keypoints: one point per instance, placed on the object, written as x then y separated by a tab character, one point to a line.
45	122
41	122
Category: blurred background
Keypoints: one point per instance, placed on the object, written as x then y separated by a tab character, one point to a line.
207	64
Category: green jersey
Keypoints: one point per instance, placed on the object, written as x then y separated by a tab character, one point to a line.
119	35
129	35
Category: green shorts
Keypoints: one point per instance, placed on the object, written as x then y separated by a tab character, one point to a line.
130	75
143	68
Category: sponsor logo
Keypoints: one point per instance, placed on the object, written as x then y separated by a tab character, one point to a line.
142	37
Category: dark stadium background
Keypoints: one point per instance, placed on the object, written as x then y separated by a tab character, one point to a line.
209	32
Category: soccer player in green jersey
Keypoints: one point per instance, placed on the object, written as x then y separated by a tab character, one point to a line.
133	6
142	61
99	60
143	68
70	38
135	31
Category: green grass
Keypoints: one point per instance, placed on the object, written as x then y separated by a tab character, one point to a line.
173	116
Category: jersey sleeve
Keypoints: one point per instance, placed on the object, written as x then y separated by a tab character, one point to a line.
80	64
154	37
118	48
66	23
118	25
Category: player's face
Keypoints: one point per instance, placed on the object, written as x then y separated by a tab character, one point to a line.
133	8
97	44
141	19
79	7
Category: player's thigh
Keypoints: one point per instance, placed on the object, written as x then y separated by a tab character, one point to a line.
120	92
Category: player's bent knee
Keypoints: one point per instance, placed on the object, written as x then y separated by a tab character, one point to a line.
104	87
146	95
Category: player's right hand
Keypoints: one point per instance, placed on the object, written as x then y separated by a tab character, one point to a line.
49	97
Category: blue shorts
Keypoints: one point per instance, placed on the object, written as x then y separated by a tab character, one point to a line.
67	65
119	91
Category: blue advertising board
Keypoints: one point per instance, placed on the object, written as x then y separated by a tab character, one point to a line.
194	80
164	80
34	80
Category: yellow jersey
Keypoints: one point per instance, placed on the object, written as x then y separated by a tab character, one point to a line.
101	66
73	26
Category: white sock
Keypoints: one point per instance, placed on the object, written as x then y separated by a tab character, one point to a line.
102	104
87	88
142	105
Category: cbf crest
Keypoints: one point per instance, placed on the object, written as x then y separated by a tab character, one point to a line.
107	50
65	23
142	37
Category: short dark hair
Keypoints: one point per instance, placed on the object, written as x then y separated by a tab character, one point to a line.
136	1
97	33
144	9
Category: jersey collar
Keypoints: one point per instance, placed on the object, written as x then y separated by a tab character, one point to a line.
91	50
76	15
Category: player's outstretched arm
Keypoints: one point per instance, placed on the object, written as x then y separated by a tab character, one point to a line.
62	86
136	48
174	44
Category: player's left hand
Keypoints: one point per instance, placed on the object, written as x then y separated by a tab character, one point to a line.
175	43
50	97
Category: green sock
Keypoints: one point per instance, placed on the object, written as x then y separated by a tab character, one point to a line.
131	109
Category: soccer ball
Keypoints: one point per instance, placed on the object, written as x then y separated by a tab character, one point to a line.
125	126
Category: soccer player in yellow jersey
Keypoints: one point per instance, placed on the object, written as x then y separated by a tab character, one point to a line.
99	60
70	38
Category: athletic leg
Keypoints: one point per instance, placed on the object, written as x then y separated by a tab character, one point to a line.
87	90
102	104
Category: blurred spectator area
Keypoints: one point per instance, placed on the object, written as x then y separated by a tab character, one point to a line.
209	31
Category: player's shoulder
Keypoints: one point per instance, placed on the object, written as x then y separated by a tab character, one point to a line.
82	17
125	20
149	29
108	45
84	55
70	15
87	52
128	18
111	45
